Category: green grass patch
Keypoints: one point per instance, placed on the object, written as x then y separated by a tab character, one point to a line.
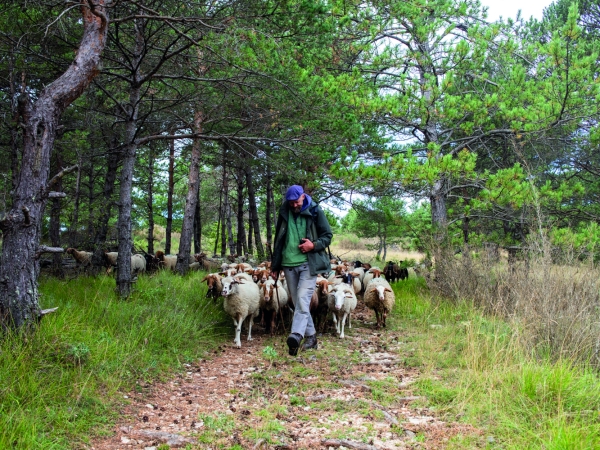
475	370
62	385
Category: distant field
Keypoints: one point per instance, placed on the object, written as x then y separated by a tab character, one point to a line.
351	247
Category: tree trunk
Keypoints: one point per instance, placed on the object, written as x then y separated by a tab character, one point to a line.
198	221
230	240
250	233
21	226
268	205
125	202
224	206
185	242
170	197
254	213
74	228
112	160
241	229
54	226
218	223
150	200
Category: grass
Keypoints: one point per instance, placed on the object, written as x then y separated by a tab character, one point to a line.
475	370
62	384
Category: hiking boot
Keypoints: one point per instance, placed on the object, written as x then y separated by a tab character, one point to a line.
293	342
310	342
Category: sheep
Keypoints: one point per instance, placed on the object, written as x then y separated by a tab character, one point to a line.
379	297
206	263
166	261
273	296
110	258
337	273
361	273
83	258
138	264
319	310
370	275
243	267
152	262
341	302
353	279
241	302
213	281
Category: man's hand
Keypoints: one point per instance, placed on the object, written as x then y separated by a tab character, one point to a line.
307	246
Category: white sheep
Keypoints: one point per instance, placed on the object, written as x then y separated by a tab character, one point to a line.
241	301
341	302
138	264
380	297
371	274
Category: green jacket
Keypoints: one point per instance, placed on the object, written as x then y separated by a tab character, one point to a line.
317	230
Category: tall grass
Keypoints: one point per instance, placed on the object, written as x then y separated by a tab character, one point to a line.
63	382
475	368
554	303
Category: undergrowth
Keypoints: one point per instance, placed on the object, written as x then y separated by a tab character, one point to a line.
475	369
61	384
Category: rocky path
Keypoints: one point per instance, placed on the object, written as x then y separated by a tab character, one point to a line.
353	393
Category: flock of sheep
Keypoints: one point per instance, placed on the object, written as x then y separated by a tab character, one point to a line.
251	291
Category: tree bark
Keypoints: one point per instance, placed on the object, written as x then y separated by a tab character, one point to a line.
198	221
54	226
73	229
112	164
185	242
254	213
129	152
241	229
224	205
21	226
170	197
268	205
150	200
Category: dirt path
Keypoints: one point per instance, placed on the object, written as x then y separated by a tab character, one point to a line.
351	393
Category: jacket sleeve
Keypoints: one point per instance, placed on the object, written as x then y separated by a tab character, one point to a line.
324	233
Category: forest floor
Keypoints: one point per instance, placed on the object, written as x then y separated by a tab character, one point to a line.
353	393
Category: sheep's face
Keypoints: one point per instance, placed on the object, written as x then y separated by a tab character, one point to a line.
381	292
340	297
229	287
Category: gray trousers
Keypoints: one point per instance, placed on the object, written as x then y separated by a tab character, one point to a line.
301	285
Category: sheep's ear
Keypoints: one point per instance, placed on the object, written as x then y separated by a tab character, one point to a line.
330	283
388	290
204	279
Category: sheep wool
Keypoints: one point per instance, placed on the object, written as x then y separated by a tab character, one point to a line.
241	302
341	302
380	297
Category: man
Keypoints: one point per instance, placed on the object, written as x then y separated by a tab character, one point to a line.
301	236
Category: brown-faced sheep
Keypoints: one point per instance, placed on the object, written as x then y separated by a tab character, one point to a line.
380	297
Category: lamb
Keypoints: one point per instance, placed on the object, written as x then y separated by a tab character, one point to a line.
213	281
243	267
83	259
241	302
273	296
380	298
341	302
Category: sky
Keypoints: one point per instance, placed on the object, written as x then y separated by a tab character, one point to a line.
509	8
